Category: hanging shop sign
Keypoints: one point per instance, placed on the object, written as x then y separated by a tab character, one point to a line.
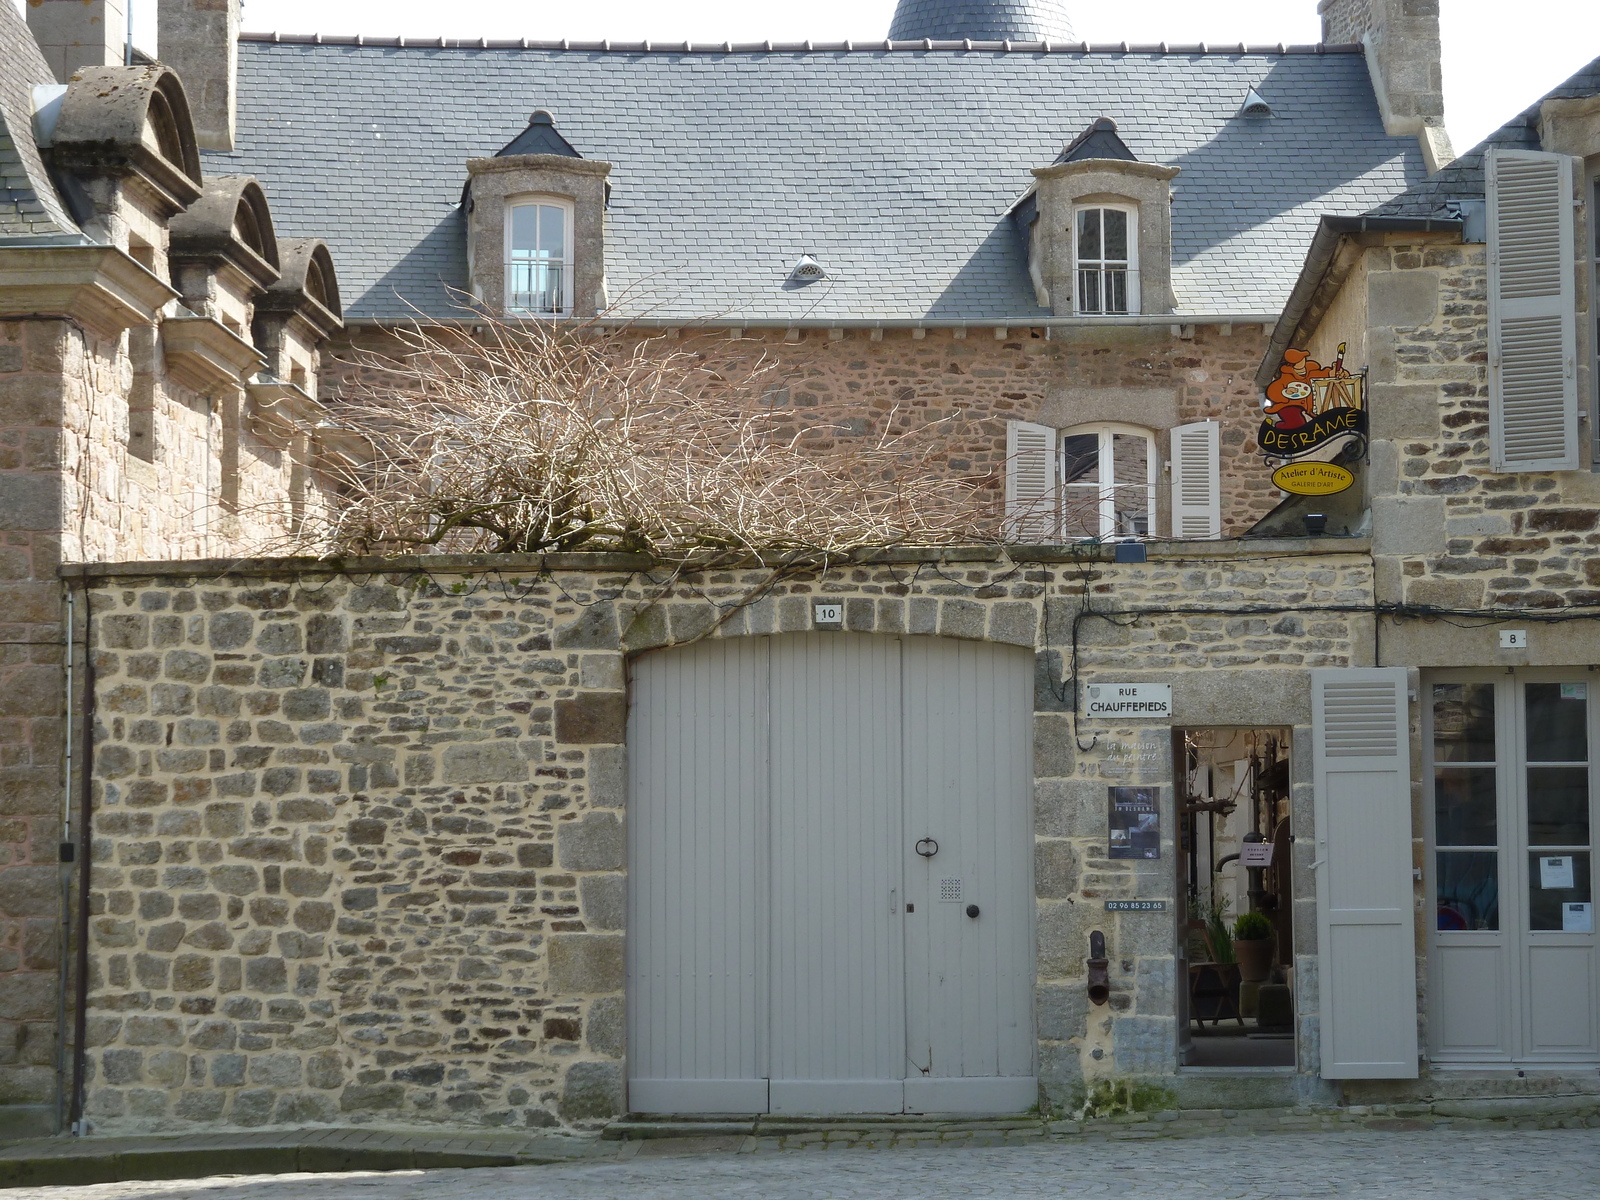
1313	478
1135	819
1309	406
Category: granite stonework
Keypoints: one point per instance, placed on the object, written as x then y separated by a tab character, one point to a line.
359	830
1450	534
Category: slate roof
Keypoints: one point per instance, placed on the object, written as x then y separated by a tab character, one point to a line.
981	20
29	205
894	167
1463	179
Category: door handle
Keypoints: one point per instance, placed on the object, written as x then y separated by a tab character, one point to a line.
927	847
972	910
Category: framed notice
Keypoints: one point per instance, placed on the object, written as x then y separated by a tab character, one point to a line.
1135	817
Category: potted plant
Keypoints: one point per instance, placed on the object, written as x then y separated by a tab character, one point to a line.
1252	946
1214	981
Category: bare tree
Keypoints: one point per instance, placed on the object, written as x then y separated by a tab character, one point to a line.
540	438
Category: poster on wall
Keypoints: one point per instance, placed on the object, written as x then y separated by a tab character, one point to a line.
1311	408
1135	817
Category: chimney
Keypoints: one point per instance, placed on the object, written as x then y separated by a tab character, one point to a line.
200	41
1403	48
80	33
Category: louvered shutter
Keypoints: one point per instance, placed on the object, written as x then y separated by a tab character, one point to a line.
1033	467
1533	313
1366	941
1197	480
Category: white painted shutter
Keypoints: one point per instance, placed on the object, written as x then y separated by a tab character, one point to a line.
1033	466
1366	937
1533	313
1197	480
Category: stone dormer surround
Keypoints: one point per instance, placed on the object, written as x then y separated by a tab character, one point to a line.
1063	187
293	318
494	181
223	251
125	139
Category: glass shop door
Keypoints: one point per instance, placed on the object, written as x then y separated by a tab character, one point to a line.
1514	975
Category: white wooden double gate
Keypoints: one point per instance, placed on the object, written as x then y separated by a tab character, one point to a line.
795	941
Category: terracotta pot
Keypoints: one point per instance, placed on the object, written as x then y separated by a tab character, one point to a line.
1255	960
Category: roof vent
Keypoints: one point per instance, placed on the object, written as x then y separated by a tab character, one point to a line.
807	270
1255	106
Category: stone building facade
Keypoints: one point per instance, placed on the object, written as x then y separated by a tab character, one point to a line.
1482	485
355	836
153	343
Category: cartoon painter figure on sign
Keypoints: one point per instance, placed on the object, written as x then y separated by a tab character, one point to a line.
1291	398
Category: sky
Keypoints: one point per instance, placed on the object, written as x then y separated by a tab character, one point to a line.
1493	68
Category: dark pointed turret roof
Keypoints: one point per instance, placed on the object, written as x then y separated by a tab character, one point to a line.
540	137
981	20
1100	140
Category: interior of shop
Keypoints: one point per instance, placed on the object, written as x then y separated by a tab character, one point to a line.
1236	913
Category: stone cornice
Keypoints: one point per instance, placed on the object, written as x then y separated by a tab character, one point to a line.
99	286
204	354
537	162
1113	166
1236	549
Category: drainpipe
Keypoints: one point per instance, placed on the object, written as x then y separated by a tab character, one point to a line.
85	854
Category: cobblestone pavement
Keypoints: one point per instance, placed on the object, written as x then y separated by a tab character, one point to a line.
1534	1165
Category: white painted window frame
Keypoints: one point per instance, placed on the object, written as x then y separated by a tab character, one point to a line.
1108	483
566	263
1131	264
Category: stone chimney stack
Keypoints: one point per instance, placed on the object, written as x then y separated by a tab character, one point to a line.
79	33
200	41
1404	57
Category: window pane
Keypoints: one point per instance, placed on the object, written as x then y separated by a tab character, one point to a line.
1116	291
1080	458
524	227
1090	298
552	230
1130	471
1558	714
1558	806
1463	722
1566	903
1116	234
1469	890
1464	806
1089	234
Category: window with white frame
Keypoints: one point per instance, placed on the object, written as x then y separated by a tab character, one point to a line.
539	257
1108	482
1099	482
1106	253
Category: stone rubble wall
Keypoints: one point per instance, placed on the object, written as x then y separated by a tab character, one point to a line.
854	387
359	840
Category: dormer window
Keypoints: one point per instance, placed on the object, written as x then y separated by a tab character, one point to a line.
1107	260
539	261
1098	229
536	216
